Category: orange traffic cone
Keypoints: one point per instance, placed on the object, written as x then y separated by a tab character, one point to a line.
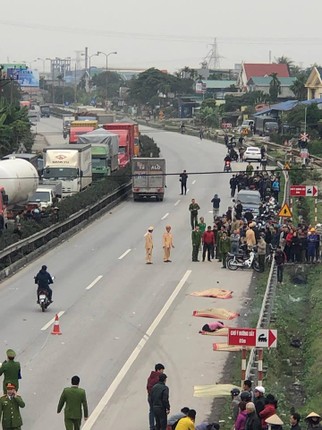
56	328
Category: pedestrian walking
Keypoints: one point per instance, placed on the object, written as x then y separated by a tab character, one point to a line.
167	243
215	205
193	208
152	380
160	402
280	260
148	245
208	242
196	242
10	404
183	179
74	400
11	370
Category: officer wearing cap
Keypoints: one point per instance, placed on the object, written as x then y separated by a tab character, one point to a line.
148	245
11	370
10	405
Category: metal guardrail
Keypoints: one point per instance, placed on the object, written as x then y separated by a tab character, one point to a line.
268	299
15	255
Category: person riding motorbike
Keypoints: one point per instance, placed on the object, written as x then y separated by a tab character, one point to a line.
43	280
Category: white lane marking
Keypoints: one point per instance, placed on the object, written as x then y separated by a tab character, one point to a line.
210	212
91	285
188	190
177	202
194	181
51	322
165	216
126	367
125	253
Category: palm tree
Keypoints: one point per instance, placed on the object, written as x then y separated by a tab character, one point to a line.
285	60
298	87
274	87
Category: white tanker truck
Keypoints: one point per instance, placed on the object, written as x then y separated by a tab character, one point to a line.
18	181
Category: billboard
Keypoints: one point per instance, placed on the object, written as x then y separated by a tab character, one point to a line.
25	77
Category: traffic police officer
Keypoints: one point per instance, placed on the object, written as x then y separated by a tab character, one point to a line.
11	370
10	405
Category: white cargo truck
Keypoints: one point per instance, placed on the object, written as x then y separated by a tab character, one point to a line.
70	164
148	178
46	195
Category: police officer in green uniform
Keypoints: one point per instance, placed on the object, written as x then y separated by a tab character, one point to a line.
10	405
11	370
74	398
196	242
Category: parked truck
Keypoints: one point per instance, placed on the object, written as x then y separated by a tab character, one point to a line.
126	134
77	128
264	125
45	111
70	164
148	178
105	148
46	195
19	180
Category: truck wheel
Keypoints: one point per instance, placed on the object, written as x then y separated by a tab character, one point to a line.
161	198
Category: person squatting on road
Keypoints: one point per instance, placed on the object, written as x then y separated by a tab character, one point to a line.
10	404
183	179
160	402
193	208
152	380
74	399
43	280
11	370
148	245
167	243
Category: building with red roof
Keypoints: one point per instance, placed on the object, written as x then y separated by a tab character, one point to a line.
260	70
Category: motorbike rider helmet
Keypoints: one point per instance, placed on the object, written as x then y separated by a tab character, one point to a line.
44	267
235	392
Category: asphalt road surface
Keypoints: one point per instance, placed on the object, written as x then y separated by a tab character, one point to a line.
120	316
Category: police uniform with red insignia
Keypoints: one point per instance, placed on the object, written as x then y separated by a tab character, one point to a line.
10	405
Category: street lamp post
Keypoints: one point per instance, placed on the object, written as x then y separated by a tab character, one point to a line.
106	67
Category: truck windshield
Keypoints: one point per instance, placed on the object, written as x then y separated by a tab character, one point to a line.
40	196
122	149
60	173
98	162
249	199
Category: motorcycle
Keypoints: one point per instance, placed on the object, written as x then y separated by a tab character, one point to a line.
43	300
241	261
227	167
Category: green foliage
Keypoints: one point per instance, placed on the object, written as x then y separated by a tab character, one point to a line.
10	91
251	99
296	117
274	87
111	80
298	87
208	103
148	147
209	116
14	128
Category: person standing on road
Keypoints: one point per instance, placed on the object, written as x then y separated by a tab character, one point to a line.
259	399
183	179
280	260
160	402
10	404
233	185
208	241
202	225
148	245
215	205
224	248
11	370
252	421
261	251
196	242
152	380
193	208
74	399
294	421
167	243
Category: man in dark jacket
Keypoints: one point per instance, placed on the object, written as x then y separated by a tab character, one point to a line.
259	399
43	280
152	380
160	402
183	179
252	421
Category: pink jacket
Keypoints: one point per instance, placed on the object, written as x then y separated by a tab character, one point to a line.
241	420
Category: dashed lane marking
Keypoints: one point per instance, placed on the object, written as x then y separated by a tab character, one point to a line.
88	425
194	181
51	322
165	216
177	202
124	254
91	285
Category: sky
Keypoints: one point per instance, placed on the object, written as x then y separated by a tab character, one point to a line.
167	34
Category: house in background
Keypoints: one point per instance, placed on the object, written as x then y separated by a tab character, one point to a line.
263	83
218	88
259	70
314	84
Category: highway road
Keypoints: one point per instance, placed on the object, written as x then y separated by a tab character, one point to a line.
120	316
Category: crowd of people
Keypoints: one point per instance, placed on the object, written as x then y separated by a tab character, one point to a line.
253	410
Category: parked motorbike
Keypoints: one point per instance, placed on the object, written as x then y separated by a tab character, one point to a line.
242	261
227	167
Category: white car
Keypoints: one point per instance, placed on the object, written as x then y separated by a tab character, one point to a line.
252	153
